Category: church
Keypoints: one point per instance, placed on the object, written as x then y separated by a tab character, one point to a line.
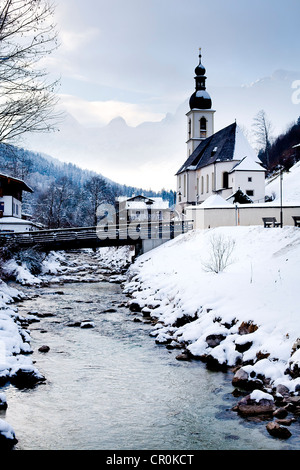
220	163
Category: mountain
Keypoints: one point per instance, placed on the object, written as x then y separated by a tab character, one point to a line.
62	192
149	154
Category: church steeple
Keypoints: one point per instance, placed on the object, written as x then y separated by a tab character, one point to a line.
200	99
200	116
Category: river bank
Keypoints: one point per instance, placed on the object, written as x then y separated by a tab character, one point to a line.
188	318
243	318
16	364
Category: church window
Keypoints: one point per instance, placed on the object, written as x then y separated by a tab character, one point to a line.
207	183
184	185
212	181
250	179
190	128
225	179
250	192
203	127
202	184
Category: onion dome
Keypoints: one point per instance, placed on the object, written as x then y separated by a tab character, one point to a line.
200	99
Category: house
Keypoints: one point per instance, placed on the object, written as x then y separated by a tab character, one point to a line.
142	208
217	163
11	217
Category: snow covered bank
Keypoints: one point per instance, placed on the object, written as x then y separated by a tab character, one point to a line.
15	363
246	315
290	185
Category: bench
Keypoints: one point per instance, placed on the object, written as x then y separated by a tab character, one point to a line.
270	222
296	220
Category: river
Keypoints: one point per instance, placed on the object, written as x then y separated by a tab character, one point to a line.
112	387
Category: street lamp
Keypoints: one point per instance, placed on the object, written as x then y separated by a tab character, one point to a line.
281	212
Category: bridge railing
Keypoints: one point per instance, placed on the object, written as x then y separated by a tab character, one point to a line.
132	231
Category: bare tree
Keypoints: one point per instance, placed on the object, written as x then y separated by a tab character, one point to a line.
263	133
96	190
220	256
27	99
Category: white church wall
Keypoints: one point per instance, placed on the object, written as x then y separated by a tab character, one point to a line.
251	183
242	214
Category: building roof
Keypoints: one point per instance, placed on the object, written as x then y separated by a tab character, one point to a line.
247	164
215	200
141	202
22	184
228	144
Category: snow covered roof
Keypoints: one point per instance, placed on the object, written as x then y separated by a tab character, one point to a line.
228	144
215	200
142	203
16	220
23	185
158	203
247	164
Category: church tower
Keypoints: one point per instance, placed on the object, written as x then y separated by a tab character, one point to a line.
200	118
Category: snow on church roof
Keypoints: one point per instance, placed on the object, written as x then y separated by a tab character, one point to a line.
247	164
242	148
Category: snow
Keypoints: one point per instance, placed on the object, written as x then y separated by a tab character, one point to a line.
20	273
14	343
243	148
290	186
258	395
259	285
6	430
215	200
247	164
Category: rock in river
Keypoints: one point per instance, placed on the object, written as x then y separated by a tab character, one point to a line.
276	430
257	403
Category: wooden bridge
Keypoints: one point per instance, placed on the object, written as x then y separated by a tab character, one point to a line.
144	236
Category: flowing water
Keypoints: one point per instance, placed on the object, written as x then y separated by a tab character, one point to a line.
113	387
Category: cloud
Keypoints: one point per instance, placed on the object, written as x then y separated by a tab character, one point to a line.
73	41
99	113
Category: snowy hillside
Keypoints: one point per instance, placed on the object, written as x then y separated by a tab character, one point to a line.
258	287
290	185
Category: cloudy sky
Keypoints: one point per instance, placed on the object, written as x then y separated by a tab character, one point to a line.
136	58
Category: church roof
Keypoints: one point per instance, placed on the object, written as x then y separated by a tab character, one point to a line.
219	146
228	144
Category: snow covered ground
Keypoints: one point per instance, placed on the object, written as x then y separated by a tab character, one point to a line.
259	287
290	186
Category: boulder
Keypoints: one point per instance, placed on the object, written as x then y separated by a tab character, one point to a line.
280	413
7	436
183	357
251	406
135	307
44	349
243	380
26	377
282	390
87	324
214	340
276	430
247	327
241	348
3	402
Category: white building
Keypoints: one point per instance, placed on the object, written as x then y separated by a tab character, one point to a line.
141	208
11	218
217	163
